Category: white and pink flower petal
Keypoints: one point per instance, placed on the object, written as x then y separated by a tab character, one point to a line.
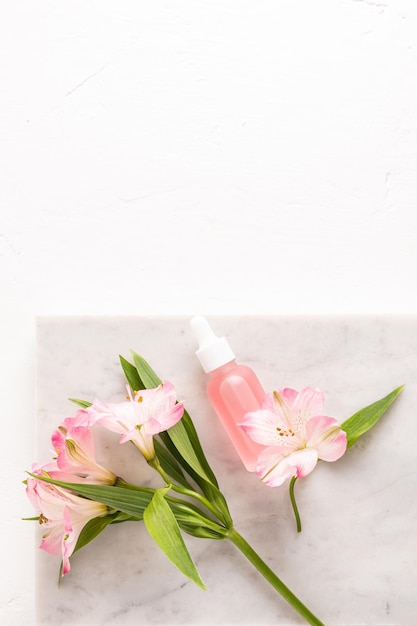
76	456
264	427
283	406
273	467
309	402
324	434
62	516
304	461
81	418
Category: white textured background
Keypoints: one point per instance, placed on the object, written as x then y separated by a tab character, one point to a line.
189	155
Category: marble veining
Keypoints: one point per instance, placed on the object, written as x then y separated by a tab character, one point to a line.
355	561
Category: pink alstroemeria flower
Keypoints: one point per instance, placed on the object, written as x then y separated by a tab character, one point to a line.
63	515
146	413
296	432
76	457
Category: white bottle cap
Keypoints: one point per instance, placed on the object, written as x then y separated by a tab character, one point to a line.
213	352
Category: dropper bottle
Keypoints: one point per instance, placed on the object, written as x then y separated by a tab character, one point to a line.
233	389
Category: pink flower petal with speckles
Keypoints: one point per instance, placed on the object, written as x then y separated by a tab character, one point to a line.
309	402
291	424
262	425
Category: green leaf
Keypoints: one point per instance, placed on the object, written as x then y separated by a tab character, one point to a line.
83	403
193	521
131	374
363	420
125	517
130	500
162	526
169	464
93	528
208	488
185	440
149	378
202	532
195	442
179	436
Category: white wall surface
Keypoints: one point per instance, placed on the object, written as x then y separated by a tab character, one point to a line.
195	156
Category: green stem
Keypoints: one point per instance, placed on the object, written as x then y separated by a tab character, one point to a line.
184	513
199	497
294	504
186	492
120	482
272	578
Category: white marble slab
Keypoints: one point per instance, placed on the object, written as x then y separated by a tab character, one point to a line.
355	561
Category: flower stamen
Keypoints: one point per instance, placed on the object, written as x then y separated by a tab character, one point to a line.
285	433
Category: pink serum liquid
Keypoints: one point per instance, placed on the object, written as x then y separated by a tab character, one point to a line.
233	389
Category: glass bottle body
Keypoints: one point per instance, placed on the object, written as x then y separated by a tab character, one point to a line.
234	390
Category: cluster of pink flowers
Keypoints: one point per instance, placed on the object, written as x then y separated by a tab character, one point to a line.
290	425
63	514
